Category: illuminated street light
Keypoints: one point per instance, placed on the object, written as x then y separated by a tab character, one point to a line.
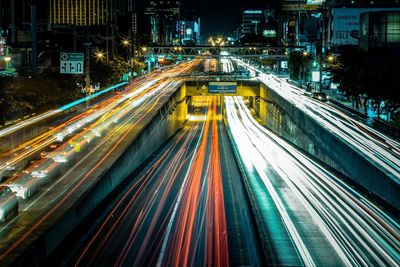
125	42
144	49
7	59
99	55
330	58
305	53
217	41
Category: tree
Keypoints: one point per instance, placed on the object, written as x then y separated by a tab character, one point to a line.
375	74
299	64
110	71
382	78
137	66
348	72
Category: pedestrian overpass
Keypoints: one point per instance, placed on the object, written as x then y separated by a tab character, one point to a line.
205	51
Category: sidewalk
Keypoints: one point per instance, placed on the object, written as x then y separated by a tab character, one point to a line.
345	101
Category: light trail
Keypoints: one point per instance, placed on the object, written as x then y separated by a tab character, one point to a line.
381	149
152	231
124	119
51	113
357	231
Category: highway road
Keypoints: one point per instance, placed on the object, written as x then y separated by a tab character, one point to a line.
84	147
377	147
305	214
199	200
187	206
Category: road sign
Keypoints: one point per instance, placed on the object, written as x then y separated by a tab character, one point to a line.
222	87
71	63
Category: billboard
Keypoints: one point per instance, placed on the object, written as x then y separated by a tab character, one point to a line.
222	87
346	24
315	76
315	2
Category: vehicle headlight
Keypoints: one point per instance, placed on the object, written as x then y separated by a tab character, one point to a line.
20	189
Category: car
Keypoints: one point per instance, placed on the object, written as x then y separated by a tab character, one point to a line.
24	185
50	148
320	96
8	204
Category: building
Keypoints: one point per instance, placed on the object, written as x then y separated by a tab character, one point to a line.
380	29
253	21
15	30
188	28
79	12
346	24
162	18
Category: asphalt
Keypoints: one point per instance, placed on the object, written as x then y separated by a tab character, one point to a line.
145	223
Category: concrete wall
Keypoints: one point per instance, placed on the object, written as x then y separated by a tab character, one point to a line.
165	123
298	128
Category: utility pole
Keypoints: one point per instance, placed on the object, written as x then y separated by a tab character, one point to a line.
322	57
12	24
75	34
88	87
1	31
113	25
34	58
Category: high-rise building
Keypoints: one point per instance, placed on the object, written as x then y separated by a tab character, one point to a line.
189	32
188	28
253	21
162	19
79	12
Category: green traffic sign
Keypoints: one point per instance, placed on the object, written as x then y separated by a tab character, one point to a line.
72	63
66	56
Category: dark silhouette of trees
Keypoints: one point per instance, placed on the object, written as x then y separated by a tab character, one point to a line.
300	65
375	74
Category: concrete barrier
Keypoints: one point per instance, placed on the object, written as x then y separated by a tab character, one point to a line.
165	122
294	125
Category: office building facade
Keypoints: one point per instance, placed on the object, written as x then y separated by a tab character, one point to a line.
79	12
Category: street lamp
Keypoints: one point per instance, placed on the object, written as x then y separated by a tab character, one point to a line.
99	55
125	42
7	59
217	41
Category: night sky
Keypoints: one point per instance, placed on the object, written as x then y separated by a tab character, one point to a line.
217	16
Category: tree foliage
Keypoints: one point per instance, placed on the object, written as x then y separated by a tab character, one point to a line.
300	65
110	71
375	74
27	94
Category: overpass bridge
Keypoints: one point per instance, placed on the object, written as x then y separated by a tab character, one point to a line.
204	51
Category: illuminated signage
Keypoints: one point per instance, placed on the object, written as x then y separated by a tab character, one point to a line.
315	76
222	87
269	33
253	12
346	24
315	2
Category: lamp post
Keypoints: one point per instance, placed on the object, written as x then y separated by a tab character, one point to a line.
100	55
321	66
126	43
305	54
